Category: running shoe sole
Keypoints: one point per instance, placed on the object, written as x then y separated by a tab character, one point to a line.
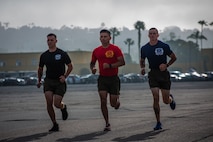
173	103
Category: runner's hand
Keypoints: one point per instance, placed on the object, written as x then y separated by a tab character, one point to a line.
143	71
62	78
38	84
94	70
163	67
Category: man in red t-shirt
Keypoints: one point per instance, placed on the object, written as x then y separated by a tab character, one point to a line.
109	58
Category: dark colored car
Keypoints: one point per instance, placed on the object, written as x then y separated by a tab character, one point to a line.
13	81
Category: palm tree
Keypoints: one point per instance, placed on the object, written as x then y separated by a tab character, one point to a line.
202	23
196	35
115	32
139	25
129	42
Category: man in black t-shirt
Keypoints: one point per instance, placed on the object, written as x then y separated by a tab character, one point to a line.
156	52
55	60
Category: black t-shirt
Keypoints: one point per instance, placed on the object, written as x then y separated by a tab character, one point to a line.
156	54
54	62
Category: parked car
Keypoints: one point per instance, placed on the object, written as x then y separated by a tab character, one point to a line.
191	75
208	76
30	80
89	78
134	77
175	76
74	79
123	79
1	81
13	81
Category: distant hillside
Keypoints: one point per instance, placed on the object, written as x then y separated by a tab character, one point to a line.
33	39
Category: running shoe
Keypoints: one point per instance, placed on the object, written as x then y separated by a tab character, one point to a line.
64	112
55	128
172	104
158	126
107	128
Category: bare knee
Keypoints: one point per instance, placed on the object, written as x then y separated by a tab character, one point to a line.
57	105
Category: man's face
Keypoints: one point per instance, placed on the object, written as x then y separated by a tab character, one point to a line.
51	41
153	34
104	38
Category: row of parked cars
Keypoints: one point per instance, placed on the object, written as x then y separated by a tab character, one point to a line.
191	76
92	78
18	78
30	78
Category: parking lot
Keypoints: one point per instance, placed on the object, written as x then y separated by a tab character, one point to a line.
30	78
24	118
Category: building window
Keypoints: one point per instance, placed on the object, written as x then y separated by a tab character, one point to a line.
18	63
2	63
34	62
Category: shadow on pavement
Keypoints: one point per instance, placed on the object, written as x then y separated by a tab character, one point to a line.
26	138
139	137
86	137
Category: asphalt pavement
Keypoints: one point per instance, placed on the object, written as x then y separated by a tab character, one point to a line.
23	115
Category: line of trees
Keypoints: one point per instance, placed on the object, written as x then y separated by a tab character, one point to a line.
198	35
31	38
140	26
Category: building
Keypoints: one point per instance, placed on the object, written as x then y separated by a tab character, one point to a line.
18	62
207	55
81	60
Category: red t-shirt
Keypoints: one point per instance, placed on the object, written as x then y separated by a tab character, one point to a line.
106	55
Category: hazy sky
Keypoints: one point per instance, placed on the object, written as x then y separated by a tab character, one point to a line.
114	13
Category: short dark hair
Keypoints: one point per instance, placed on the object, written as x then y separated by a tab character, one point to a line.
105	31
153	28
52	34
